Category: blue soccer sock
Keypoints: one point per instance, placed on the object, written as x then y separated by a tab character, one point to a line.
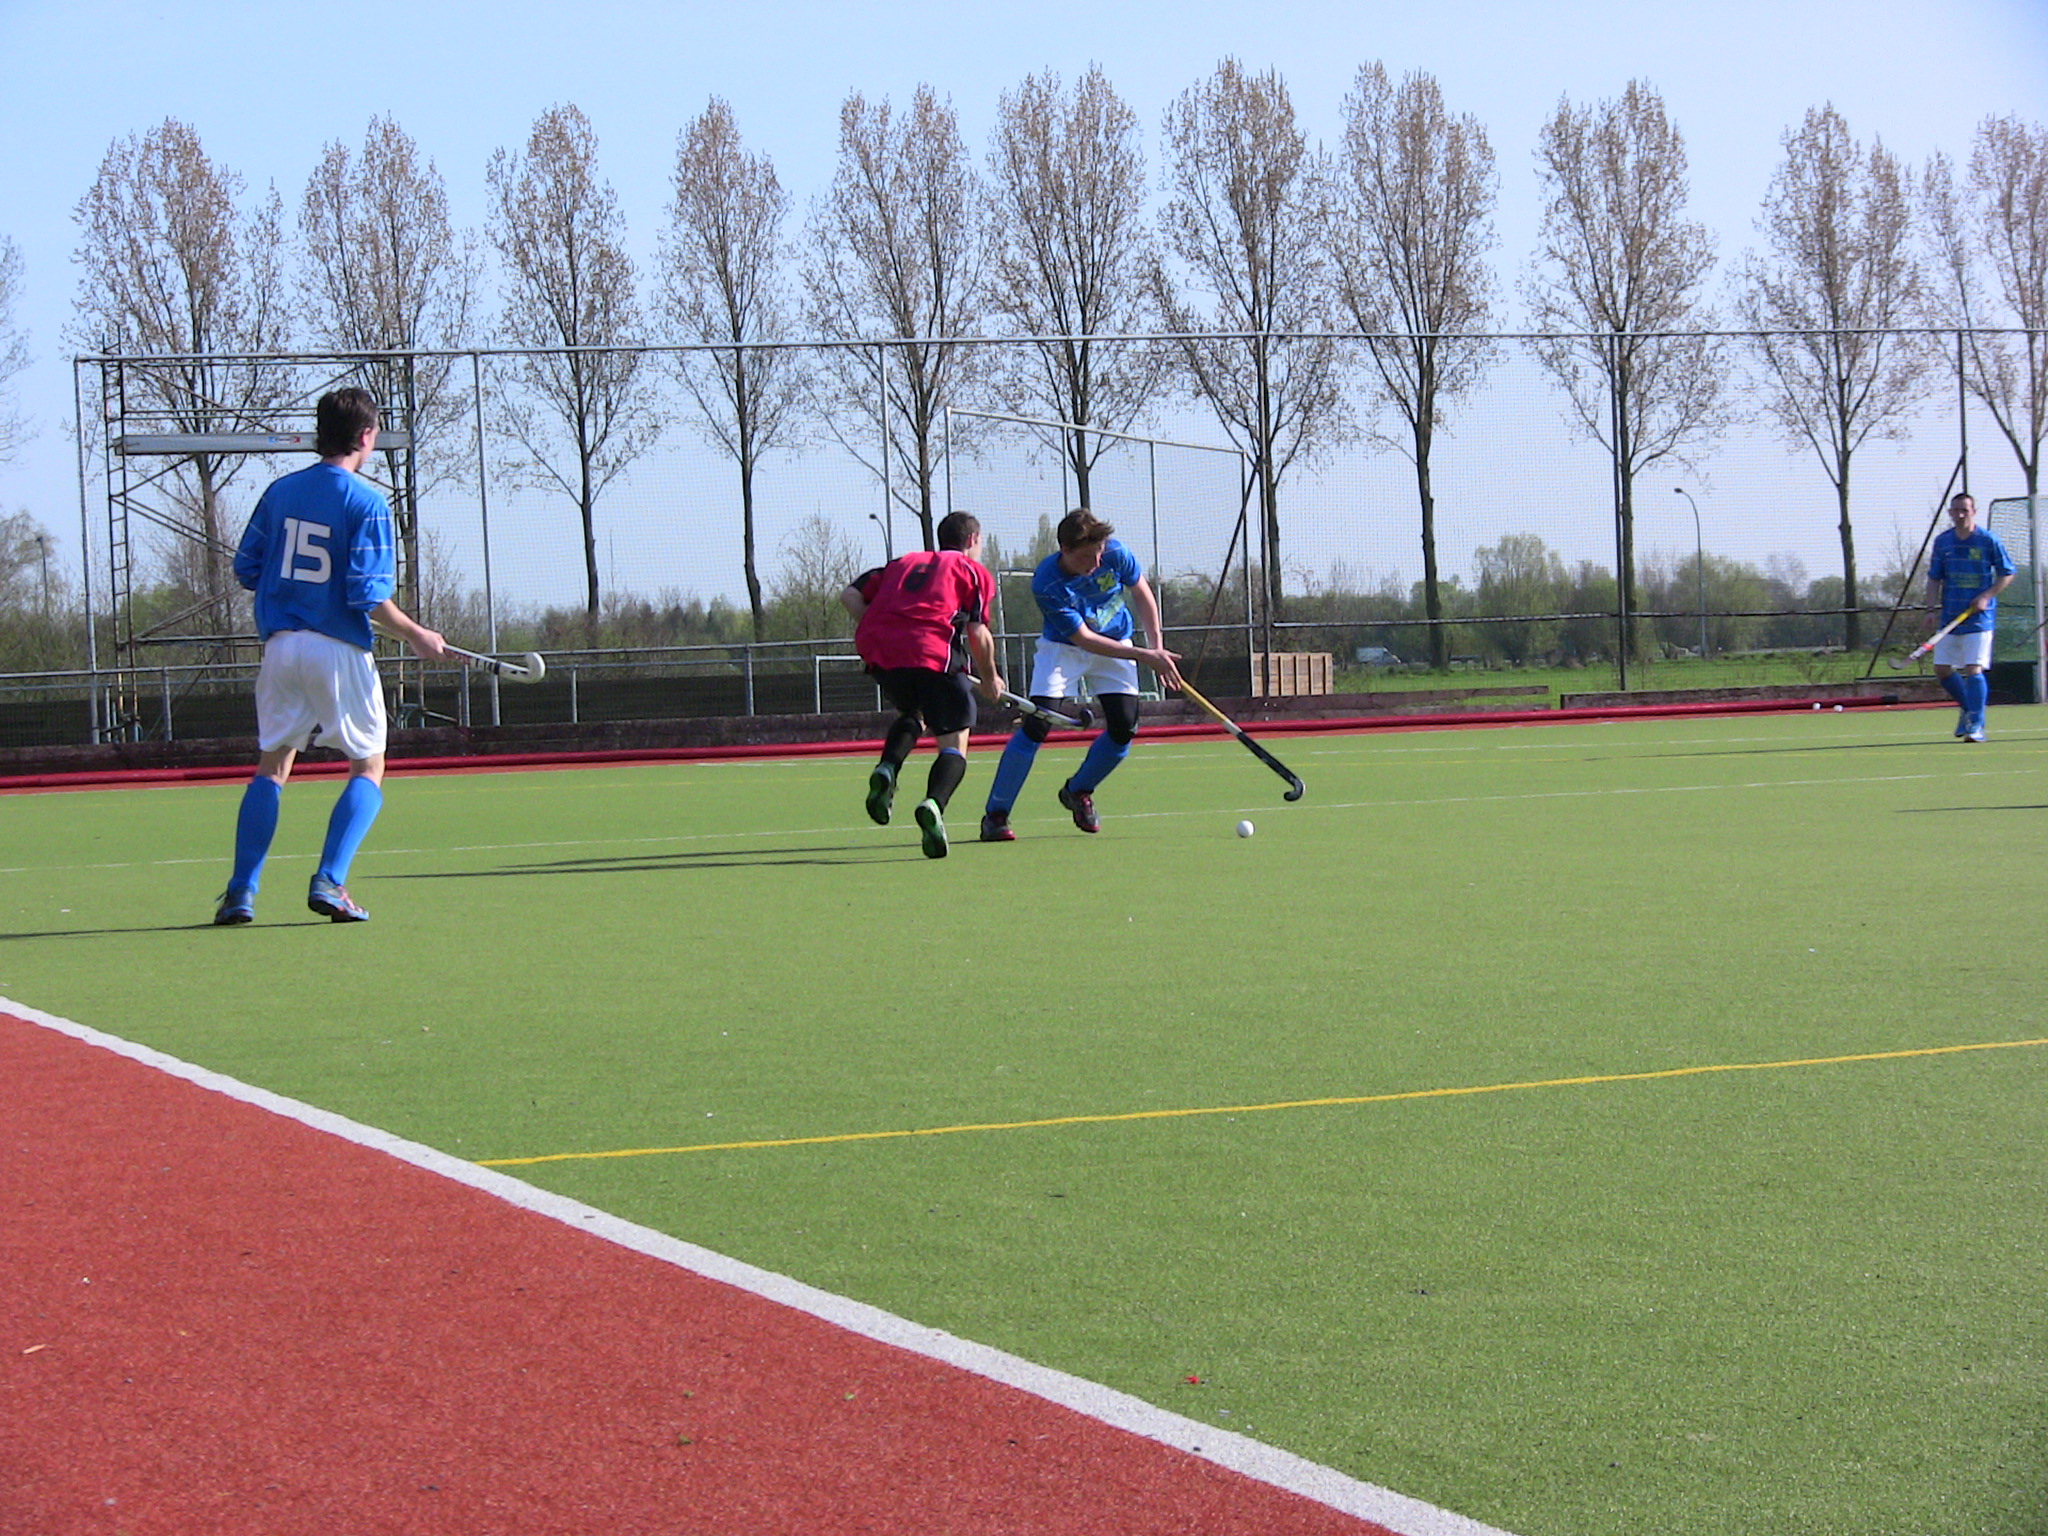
1011	772
1976	695
361	799
1104	753
255	826
1952	685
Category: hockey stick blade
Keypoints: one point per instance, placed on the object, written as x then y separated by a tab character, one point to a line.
1295	788
529	668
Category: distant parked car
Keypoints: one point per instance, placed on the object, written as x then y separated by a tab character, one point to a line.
1377	656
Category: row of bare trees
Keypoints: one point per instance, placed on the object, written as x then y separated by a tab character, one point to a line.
1279	282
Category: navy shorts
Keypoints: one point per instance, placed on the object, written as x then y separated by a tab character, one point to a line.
943	700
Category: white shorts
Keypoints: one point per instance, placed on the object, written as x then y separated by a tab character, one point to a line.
310	681
1959	651
1059	671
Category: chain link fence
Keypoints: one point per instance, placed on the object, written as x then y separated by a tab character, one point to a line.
632	578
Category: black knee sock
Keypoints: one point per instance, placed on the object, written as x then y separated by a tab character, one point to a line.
948	769
900	741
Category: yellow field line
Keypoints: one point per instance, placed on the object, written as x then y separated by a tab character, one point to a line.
1255	1109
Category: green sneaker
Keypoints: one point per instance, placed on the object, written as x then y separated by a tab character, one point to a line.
933	824
881	793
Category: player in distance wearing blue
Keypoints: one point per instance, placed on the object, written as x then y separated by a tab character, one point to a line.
1088	592
318	554
1966	571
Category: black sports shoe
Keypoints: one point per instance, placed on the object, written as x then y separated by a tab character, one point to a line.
995	828
931	824
881	793
236	908
1082	807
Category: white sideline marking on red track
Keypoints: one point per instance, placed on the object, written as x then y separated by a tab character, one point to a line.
1262	1463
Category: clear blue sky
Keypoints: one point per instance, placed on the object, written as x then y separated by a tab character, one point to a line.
265	93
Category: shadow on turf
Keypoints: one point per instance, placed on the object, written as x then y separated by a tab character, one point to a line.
1825	746
1937	810
207	926
656	863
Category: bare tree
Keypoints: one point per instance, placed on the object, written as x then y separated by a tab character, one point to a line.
1410	224
15	429
25	581
386	272
1241	222
558	229
1071	257
722	281
1991	245
819	561
1618	278
1824	303
898	251
172	268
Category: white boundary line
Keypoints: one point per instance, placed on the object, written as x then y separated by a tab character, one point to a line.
1262	1463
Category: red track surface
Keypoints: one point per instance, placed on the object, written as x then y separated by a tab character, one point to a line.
214	1319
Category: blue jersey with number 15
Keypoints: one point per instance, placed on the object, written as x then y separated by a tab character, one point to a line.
318	554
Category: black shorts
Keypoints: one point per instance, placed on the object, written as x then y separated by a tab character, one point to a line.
943	700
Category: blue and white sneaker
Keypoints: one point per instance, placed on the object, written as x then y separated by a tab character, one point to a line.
1976	730
236	908
1962	724
332	902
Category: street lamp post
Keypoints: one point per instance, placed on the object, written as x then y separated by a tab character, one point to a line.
888	553
1699	563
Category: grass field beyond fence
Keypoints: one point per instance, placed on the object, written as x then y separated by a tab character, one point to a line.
1588	1128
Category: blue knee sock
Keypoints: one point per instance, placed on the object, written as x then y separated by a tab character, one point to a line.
1976	695
255	826
361	800
1104	753
1952	685
1011	772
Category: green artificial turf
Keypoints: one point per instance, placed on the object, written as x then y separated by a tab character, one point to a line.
1804	1299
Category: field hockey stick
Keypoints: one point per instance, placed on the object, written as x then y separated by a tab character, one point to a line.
1295	788
1900	663
1031	707
527	669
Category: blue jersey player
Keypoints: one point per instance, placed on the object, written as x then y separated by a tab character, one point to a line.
1965	573
1090	593
318	554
